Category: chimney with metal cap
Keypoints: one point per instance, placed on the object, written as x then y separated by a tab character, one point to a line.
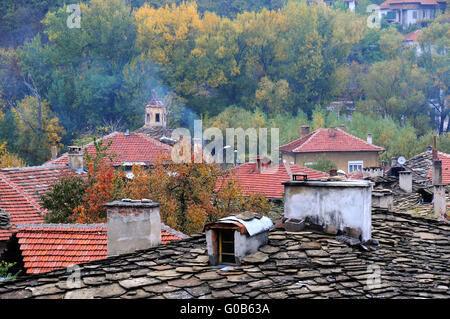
369	138
75	157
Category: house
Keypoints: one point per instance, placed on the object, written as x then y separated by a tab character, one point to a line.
40	247
127	148
20	190
407	12
412	39
259	177
349	153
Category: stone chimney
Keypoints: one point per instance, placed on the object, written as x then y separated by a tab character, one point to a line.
75	157
54	151
331	131
437	172
132	225
369	138
405	181
393	161
304	130
342	127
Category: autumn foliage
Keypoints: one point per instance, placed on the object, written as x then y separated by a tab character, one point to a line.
188	192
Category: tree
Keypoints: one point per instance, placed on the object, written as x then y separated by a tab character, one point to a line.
38	129
63	198
9	160
190	196
396	88
435	58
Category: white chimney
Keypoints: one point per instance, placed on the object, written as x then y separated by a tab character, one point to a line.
132	225
405	181
369	138
54	151
343	205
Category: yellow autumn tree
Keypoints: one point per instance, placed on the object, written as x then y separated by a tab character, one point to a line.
9	160
38	129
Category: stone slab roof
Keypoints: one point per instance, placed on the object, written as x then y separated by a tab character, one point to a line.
411	260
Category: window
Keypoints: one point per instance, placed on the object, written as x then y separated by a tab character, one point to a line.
355	166
148	118
157	117
414	14
226	247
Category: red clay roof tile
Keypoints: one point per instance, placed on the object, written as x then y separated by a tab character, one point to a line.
321	141
135	147
47	247
269	182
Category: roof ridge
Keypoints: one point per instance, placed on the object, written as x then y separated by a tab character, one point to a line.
365	142
153	140
20	191
308	140
60	226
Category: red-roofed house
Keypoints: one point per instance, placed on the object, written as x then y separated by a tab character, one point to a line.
407	12
20	189
348	152
267	179
128	148
41	248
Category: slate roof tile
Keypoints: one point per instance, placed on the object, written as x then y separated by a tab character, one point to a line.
410	266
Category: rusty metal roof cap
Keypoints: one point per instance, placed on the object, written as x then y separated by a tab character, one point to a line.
254	226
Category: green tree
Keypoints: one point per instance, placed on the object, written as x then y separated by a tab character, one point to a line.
62	198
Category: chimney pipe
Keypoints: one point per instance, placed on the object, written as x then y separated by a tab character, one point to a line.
437	172
75	157
54	151
132	225
342	127
304	130
435	151
369	138
393	161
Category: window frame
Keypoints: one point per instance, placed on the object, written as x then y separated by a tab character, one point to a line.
355	163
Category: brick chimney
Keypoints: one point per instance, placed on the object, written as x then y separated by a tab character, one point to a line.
132	225
369	138
304	130
331	131
75	157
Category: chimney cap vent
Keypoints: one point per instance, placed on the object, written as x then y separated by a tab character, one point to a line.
126	202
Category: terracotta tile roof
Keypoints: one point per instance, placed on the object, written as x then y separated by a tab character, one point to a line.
269	182
135	147
321	141
411	261
412	36
46	247
20	190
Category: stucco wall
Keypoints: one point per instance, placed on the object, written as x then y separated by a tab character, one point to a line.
331	203
133	229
